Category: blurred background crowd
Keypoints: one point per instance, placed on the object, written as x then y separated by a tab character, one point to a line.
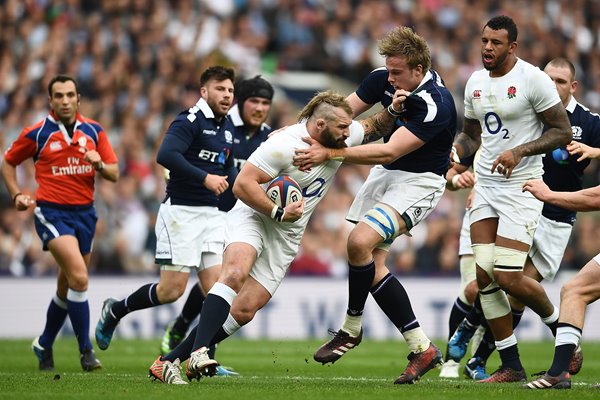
138	64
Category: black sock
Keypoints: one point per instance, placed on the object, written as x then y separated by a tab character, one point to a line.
510	357
191	309
393	300
516	317
144	297
486	347
457	314
213	316
553	326
219	336
359	284
562	358
475	316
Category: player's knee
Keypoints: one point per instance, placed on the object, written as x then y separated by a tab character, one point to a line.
170	292
78	281
359	246
233	277
470	292
243	313
494	301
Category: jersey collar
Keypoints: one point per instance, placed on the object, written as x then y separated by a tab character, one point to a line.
236	118
571	106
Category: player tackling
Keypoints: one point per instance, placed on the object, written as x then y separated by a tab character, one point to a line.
262	238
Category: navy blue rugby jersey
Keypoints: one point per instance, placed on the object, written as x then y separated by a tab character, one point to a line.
562	172
196	144
429	113
243	146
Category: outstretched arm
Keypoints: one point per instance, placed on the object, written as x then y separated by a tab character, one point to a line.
581	200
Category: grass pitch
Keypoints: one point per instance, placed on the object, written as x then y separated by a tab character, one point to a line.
270	370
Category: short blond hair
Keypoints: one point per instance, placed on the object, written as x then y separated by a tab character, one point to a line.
404	42
322	104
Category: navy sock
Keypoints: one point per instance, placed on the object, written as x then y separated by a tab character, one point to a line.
360	280
79	314
475	316
144	297
183	349
213	316
486	347
392	298
510	357
516	317
55	318
191	309
562	358
457	314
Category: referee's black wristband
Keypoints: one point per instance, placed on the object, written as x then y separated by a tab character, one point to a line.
15	197
279	214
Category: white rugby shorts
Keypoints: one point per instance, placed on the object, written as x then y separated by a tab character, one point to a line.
464	242
413	195
518	212
275	245
549	243
189	236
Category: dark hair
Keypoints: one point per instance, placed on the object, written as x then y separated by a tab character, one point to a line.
254	87
62	78
218	73
504	22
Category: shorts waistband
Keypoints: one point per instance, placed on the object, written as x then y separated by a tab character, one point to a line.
68	207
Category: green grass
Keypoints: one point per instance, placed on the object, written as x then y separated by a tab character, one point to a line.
270	370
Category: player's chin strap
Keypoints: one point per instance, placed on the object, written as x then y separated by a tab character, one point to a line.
277	213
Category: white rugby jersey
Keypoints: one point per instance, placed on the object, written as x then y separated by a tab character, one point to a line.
275	158
507	109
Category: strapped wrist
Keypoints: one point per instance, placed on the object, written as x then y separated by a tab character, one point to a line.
279	213
454	180
392	112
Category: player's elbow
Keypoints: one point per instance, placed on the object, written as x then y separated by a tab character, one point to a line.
566	136
238	189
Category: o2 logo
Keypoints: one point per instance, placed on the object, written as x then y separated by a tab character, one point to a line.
493	124
315	189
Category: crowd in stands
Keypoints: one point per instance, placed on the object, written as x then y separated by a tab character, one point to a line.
138	64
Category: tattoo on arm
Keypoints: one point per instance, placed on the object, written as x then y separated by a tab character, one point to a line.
377	126
558	132
470	137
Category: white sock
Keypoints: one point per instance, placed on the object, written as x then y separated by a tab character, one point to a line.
352	325
416	340
552	317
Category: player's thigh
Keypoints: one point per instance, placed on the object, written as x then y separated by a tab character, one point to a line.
174	280
549	244
586	283
65	250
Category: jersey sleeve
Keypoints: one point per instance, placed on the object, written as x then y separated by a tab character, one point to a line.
592	129
21	149
468	101
542	90
105	149
429	117
371	88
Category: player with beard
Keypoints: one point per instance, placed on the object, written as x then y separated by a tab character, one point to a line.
196	150
397	195
262	239
507	105
248	115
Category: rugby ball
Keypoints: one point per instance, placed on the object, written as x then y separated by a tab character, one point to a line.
283	190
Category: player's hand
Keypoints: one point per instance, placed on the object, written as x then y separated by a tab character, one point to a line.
305	159
465	180
537	188
398	100
216	183
506	163
581	148
293	211
93	158
23	202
